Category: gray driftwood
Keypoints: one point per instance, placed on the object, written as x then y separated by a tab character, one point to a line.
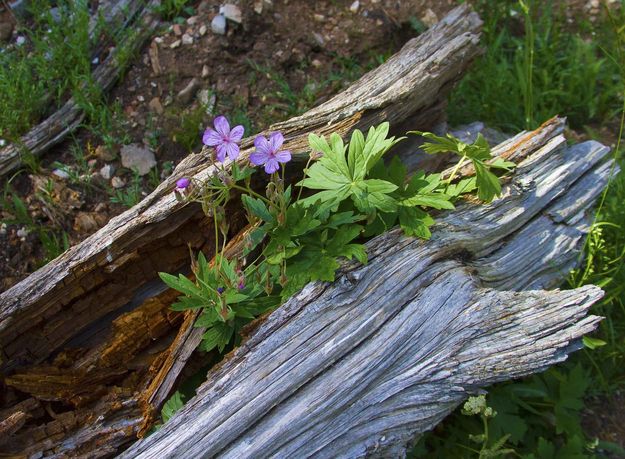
110	268
92	331
67	118
360	367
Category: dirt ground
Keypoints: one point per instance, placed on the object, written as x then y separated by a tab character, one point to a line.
281	59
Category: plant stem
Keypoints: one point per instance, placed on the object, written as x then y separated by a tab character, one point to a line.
454	172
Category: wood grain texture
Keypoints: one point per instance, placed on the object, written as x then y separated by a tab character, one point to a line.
95	279
69	116
359	367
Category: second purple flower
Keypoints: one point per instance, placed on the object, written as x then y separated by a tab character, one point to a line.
268	152
224	139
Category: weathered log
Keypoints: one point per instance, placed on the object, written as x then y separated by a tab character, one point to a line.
108	269
87	331
67	118
359	367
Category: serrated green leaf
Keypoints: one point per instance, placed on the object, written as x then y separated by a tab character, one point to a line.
433	200
218	336
378	186
320	177
415	222
355	156
488	186
171	406
257	208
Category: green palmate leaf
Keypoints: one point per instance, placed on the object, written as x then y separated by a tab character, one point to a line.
208	317
415	222
464	186
355	157
319	177
438	144
378	186
173	404
488	186
257	208
433	200
217	336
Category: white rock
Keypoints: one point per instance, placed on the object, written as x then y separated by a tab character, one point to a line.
117	182
192	20
138	157
205	71
3	229
21	40
187	39
95	61
203	30
175	44
231	12
107	171
22	232
218	24
354	6
60	173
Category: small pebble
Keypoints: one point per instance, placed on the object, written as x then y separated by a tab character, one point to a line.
60	173
218	25
117	182
205	71
354	6
203	30
231	12
22	233
187	39
107	172
20	40
175	44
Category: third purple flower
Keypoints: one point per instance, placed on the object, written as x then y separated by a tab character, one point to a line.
224	139
268	152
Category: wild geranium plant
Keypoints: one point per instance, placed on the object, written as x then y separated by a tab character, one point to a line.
300	233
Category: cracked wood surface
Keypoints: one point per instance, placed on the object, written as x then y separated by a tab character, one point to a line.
103	273
91	335
361	366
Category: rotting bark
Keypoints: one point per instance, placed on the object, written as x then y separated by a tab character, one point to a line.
68	117
85	335
361	366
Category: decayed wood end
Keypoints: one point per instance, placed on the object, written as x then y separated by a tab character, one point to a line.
93	280
361	366
68	117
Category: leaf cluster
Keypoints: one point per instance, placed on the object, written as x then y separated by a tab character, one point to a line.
479	154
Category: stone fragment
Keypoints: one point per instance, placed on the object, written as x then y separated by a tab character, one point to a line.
205	71
354	6
218	24
104	153
188	92
231	12
175	44
156	106
137	157
118	182
61	173
187	39
203	30
177	30
106	172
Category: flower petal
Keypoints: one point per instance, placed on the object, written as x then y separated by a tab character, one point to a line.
211	138
258	158
183	183
283	156
221	152
276	139
272	165
233	150
236	134
262	145
222	126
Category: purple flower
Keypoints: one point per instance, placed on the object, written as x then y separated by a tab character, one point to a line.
220	290
224	139
241	285
268	152
183	183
